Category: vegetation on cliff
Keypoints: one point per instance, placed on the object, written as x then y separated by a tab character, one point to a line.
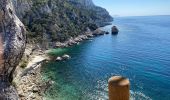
58	20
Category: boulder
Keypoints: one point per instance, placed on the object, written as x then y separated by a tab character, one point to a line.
65	57
115	30
89	35
71	42
35	89
78	39
83	37
98	32
59	59
61	45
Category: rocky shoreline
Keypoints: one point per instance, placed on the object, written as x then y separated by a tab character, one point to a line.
74	41
87	35
28	80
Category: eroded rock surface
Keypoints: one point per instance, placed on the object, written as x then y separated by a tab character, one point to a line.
12	45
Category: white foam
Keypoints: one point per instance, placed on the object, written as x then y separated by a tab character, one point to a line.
137	95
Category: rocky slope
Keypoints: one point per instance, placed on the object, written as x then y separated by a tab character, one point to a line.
58	20
12	46
28	79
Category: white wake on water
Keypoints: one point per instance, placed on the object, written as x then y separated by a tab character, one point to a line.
138	96
102	93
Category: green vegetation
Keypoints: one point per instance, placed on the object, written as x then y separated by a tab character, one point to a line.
58	19
14	83
23	64
57	52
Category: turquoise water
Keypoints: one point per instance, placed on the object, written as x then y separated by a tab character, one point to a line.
141	52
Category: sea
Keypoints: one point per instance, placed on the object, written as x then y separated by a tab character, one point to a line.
140	52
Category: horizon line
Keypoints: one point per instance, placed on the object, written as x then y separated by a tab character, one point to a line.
137	15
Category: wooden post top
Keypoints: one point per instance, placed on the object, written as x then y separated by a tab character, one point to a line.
119	81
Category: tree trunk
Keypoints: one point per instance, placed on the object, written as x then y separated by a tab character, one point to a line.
12	46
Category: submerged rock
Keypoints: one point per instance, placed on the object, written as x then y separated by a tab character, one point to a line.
115	30
64	57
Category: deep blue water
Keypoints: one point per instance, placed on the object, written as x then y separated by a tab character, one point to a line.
141	52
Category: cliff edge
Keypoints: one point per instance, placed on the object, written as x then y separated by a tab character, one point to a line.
12	46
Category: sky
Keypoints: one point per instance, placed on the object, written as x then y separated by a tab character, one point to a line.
135	7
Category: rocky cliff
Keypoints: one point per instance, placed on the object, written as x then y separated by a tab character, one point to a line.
58	20
12	45
102	15
86	3
46	21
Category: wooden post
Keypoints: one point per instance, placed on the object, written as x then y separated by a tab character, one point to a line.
119	88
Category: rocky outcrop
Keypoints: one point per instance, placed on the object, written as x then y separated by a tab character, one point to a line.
12	46
102	15
98	32
64	57
115	30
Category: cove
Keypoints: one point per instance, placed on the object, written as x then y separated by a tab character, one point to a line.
140	52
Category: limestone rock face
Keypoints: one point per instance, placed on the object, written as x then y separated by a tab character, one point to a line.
12	46
87	3
102	13
21	6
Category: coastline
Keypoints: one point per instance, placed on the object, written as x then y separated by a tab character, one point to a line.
73	41
28	80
